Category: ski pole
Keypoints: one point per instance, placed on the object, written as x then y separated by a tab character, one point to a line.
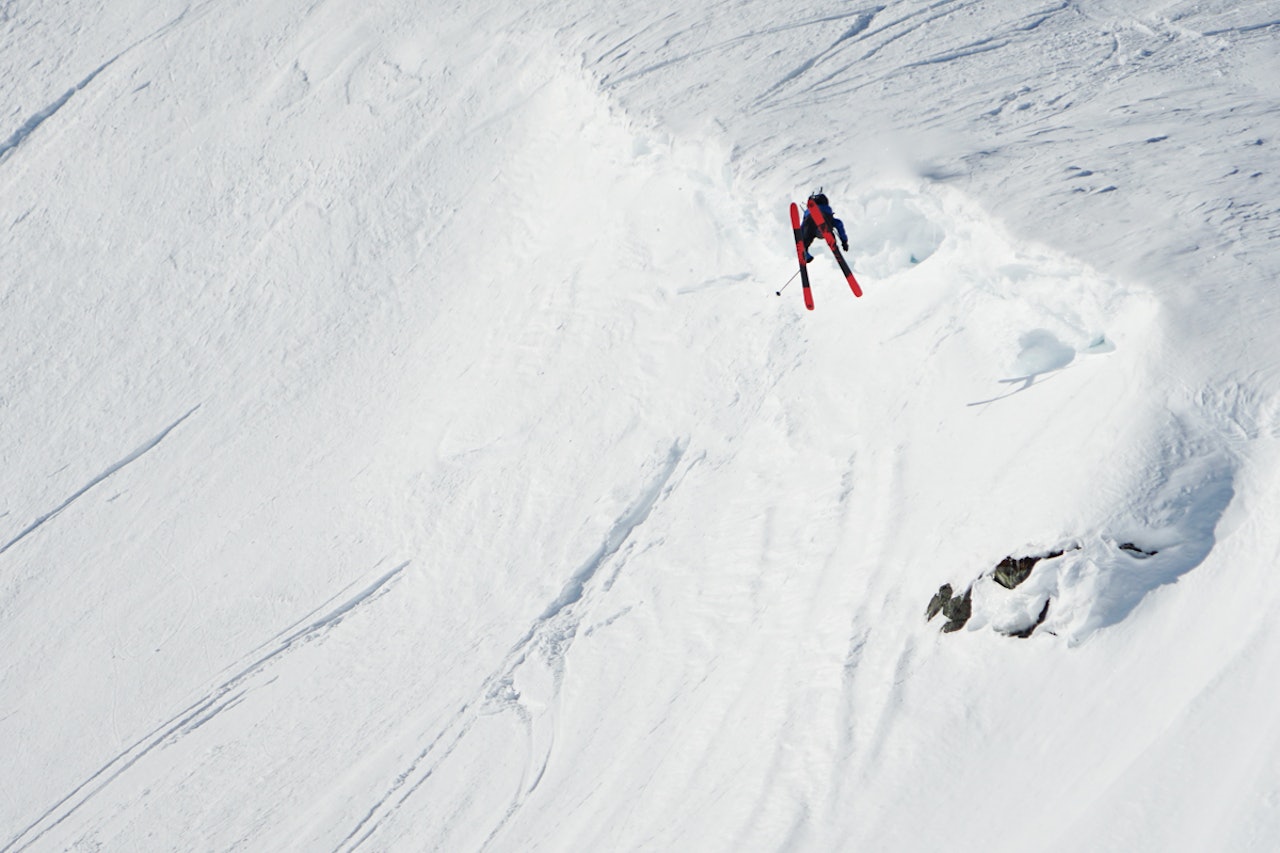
793	278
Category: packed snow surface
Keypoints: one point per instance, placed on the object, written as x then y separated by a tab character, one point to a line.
406	447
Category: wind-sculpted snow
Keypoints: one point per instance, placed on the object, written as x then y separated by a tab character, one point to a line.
1169	531
485	298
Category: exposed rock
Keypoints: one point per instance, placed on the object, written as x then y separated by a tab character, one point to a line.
1014	570
1010	572
1140	553
957	610
941	597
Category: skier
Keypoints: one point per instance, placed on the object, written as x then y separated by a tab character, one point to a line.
809	229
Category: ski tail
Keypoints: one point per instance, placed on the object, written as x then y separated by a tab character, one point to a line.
804	268
825	228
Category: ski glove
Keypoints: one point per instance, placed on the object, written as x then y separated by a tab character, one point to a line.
844	244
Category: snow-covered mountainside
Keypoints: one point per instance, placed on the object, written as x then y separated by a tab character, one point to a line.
406	448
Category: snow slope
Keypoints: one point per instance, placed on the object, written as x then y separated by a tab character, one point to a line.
405	447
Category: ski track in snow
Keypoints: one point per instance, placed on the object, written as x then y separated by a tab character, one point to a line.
29	126
862	21
848	78
545	644
105	475
226	695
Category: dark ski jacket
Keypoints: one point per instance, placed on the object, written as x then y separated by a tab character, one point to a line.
811	227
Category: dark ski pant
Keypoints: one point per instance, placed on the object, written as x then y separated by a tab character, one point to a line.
808	232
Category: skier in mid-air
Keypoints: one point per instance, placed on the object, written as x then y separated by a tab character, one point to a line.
809	229
819	220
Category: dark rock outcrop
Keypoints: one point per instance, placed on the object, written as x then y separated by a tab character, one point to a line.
1140	553
941	597
1009	573
956	608
1014	570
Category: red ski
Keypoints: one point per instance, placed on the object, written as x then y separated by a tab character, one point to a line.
804	269
825	229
